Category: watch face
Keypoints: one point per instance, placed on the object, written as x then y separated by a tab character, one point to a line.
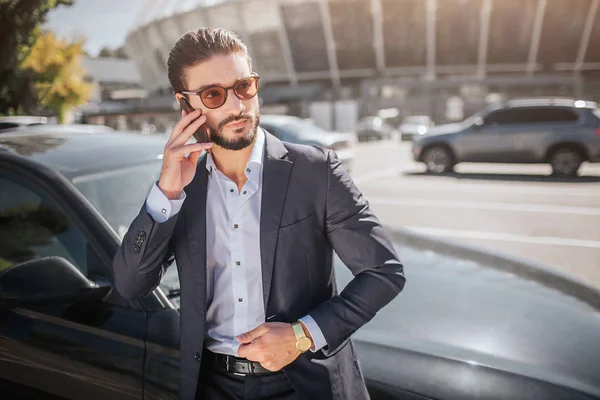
303	344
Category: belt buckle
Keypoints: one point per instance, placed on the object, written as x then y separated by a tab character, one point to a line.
228	369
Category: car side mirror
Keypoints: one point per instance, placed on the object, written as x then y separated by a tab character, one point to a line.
46	280
478	123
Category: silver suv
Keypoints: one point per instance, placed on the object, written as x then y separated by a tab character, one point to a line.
561	132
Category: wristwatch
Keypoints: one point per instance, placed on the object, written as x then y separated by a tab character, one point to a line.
303	342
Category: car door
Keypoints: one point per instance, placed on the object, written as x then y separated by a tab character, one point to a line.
547	125
86	349
495	139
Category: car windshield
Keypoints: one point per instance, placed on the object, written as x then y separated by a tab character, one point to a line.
119	193
597	112
303	128
471	120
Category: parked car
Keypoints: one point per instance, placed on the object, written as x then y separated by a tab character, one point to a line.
21	121
561	132
373	128
415	125
469	324
296	130
49	127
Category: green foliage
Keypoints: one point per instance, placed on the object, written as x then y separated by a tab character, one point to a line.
20	21
57	74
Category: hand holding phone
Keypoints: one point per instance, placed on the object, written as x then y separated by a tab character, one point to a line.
201	135
180	160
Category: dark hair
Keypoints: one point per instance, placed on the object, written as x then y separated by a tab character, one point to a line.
197	46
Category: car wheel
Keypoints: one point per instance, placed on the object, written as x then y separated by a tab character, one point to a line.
565	161
438	160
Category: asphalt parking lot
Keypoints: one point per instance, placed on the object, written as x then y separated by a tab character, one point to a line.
515	209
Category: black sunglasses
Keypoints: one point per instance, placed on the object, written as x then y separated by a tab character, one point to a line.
216	96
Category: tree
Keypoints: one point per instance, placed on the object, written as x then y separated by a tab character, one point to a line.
57	74
19	27
107	52
121	53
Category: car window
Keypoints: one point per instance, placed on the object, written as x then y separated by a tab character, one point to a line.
553	114
531	115
106	191
503	117
33	226
597	112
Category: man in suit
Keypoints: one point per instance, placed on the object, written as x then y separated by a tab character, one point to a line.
253	225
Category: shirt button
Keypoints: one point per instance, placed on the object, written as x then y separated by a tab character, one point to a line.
231	190
248	170
238	263
235	226
164	210
245	192
240	299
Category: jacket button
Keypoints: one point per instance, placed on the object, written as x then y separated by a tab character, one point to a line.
197	357
137	249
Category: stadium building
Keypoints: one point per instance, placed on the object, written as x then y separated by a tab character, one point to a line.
337	60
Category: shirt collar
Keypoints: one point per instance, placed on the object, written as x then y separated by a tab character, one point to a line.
256	156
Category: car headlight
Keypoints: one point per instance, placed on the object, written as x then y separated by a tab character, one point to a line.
422	130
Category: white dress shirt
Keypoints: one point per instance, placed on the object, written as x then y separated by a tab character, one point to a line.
233	261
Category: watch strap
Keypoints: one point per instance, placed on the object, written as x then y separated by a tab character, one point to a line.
298	330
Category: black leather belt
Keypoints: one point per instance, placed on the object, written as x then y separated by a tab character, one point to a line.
239	366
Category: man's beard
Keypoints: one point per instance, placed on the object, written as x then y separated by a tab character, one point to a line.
238	142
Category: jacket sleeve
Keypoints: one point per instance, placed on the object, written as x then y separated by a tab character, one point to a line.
145	253
362	244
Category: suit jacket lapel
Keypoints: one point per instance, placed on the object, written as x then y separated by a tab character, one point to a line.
276	175
195	222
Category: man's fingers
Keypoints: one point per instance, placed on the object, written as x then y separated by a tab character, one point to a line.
190	148
195	156
183	122
253	334
193	127
244	351
187	133
251	351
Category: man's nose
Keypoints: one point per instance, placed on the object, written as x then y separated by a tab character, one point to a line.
233	103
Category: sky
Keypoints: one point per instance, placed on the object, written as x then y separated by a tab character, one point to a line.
102	22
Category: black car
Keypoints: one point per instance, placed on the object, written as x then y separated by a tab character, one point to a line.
469	324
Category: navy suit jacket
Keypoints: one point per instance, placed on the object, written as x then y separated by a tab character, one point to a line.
310	207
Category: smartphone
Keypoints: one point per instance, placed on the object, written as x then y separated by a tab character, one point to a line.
201	135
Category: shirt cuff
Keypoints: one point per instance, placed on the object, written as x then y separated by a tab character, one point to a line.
315	332
160	207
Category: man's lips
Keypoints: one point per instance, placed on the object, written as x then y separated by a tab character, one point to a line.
236	124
